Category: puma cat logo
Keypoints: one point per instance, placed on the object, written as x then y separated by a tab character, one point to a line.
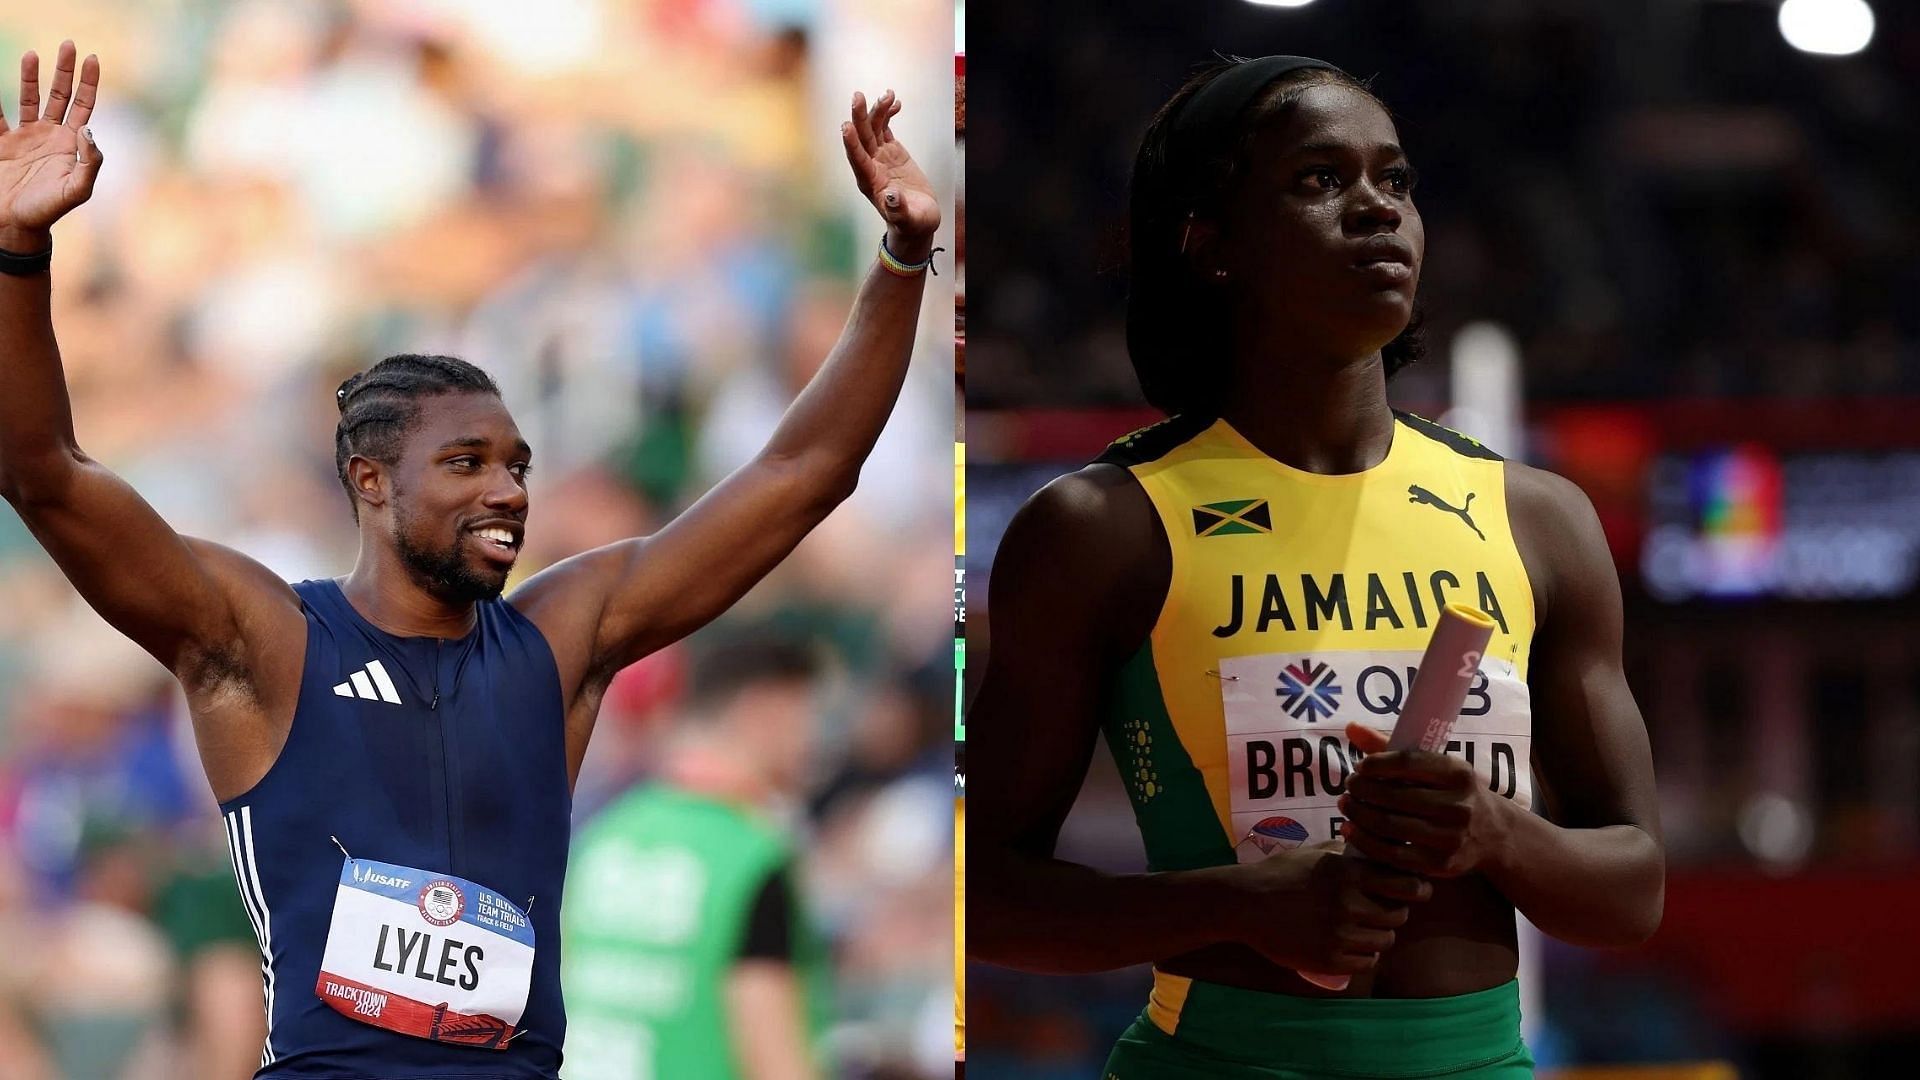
1422	495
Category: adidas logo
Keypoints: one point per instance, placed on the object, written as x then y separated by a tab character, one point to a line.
371	684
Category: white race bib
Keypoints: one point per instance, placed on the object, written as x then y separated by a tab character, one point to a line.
1287	752
426	954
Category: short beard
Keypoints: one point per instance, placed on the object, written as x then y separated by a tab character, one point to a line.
446	573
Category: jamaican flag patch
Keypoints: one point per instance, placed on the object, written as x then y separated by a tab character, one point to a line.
1232	516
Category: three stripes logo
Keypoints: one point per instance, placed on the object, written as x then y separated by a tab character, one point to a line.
1232	517
370	683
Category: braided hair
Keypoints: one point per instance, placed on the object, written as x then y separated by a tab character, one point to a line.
379	405
1177	326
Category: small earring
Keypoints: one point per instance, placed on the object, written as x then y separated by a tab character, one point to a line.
1186	233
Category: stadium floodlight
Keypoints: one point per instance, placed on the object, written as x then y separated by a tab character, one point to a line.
1827	27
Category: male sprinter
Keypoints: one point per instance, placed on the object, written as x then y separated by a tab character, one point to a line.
394	750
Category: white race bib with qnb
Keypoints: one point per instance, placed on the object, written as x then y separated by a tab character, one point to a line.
426	954
1287	751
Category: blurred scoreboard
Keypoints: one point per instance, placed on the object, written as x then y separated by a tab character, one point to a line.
1747	521
1749	499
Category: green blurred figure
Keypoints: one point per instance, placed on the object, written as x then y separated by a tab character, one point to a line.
689	953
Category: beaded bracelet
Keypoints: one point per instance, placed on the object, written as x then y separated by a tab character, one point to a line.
896	266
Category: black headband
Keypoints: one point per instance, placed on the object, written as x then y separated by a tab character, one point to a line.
1209	114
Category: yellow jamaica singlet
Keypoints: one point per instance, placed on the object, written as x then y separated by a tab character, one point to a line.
1299	602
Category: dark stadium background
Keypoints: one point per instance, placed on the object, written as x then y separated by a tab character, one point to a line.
1700	244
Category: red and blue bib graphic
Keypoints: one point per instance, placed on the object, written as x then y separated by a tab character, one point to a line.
1278	834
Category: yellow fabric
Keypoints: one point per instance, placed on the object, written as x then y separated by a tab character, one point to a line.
1325	566
1168	997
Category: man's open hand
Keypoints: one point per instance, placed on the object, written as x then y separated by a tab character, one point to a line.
47	158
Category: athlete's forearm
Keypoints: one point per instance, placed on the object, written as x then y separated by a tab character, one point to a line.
1600	887
36	418
832	425
1060	918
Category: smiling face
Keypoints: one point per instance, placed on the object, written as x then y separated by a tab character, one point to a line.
1320	239
457	497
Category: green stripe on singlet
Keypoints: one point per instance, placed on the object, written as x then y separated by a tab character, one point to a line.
1170	800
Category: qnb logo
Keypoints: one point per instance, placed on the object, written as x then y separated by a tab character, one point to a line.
1308	691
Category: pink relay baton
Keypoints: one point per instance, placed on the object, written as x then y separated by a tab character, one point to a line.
1433	701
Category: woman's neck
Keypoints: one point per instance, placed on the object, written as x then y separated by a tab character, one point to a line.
1318	415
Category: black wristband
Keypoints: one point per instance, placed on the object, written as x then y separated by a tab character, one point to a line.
18	265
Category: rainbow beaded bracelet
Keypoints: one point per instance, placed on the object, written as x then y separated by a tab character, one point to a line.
896	266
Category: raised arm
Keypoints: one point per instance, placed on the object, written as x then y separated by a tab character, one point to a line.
1075	587
192	604
610	606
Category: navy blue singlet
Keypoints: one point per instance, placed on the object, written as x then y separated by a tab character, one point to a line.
465	774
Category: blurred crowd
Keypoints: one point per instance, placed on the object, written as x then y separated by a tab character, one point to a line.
635	214
1658	200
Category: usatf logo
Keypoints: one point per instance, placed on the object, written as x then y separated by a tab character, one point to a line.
1231	517
441	902
375	877
1307	690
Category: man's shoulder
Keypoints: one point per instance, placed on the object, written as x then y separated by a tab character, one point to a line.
564	601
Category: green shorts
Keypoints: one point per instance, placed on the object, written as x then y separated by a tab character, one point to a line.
1224	1033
